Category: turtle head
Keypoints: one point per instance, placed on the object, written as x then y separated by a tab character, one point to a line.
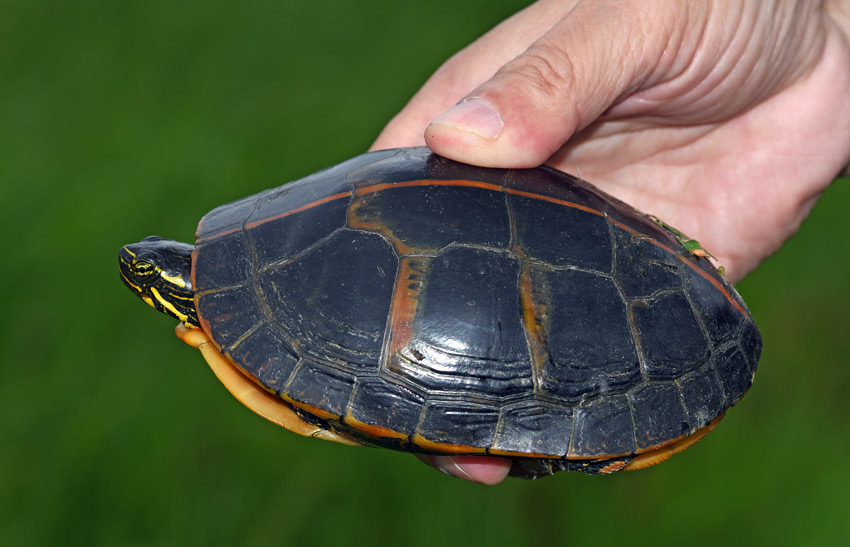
158	271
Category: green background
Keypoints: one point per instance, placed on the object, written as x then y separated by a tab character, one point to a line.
119	119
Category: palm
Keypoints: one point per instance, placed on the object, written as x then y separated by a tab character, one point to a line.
741	186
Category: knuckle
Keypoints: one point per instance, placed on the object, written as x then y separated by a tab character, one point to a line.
543	67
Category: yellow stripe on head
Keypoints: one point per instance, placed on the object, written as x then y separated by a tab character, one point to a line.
131	284
158	271
174	279
168	305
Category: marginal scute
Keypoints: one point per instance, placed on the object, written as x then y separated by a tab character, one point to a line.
267	356
317	386
319	190
750	342
658	415
534	427
377	402
702	395
553	185
627	218
602	428
446	421
734	370
399	165
230	313
227	218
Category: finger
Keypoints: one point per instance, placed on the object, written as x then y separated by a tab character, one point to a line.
468	69
483	469
595	55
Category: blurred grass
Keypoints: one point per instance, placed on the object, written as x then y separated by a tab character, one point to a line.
118	119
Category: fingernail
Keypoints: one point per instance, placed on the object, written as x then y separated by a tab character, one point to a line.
447	465
473	116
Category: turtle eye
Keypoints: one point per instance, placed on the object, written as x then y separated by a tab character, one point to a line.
142	269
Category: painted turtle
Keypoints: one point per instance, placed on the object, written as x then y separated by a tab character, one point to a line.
407	301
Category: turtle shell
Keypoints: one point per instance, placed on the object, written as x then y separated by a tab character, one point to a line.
425	305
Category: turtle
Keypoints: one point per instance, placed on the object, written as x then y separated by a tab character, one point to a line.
407	301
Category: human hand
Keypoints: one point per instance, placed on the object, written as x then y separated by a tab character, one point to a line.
726	119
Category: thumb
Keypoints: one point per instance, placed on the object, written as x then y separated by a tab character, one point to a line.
593	57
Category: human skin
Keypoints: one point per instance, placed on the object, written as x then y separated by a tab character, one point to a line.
725	118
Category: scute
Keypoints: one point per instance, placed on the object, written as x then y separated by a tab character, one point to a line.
322	389
281	240
644	268
430	218
446	422
534	427
602	427
335	298
421	304
557	235
672	339
477	291
658	414
396	408
701	395
266	356
591	342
